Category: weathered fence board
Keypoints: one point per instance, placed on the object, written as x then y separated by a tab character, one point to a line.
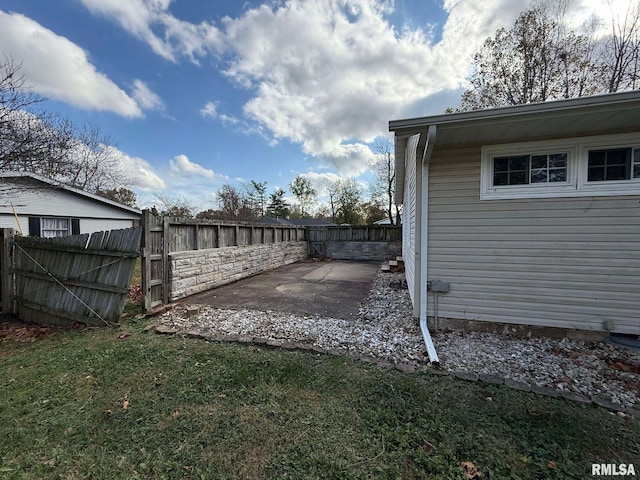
6	273
81	278
319	237
165	235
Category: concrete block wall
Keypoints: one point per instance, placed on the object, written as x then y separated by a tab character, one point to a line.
196	271
364	251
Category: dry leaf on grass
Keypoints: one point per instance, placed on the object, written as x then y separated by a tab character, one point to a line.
551	464
125	404
428	448
471	472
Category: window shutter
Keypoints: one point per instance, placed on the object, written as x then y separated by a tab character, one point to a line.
75	226
34	226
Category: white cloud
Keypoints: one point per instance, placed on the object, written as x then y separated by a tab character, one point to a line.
151	22
181	166
228	119
329	74
147	99
139	171
209	110
59	69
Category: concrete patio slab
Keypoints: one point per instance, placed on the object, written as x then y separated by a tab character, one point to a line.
328	288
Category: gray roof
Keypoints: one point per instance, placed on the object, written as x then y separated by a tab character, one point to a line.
301	222
312	222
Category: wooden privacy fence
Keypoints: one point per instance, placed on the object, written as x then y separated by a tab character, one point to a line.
319	236
165	235
80	278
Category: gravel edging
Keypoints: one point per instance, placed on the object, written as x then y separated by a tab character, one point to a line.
385	334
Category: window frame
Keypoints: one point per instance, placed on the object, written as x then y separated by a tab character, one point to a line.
36	225
66	232
576	184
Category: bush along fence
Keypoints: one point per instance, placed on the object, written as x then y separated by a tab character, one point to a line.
182	257
80	278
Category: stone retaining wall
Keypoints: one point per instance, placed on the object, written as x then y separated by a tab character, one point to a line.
196	271
364	251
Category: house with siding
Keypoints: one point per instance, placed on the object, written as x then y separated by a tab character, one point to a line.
34	205
528	214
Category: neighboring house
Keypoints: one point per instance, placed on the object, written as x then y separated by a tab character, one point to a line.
386	221
525	215
312	222
37	206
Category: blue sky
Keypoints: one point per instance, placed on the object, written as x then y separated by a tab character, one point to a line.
201	93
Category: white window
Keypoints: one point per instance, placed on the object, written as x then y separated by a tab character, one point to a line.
55	227
49	227
593	166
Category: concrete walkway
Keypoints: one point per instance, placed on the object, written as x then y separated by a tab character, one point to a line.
329	288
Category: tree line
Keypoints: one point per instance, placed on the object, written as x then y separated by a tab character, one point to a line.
36	141
541	57
250	202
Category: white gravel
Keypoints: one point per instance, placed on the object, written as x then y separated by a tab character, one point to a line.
385	329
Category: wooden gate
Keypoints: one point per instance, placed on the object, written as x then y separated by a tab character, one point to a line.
80	278
155	260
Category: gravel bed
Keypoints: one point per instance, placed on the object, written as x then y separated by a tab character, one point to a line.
384	329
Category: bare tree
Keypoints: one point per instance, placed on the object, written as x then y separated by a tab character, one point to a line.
93	162
621	50
122	195
32	140
345	201
384	179
233	205
536	60
174	207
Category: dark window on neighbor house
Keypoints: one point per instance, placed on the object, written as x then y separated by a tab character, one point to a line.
610	164
526	169
51	227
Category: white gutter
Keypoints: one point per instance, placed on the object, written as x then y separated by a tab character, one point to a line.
423	202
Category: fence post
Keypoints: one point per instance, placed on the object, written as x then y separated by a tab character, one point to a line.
6	271
145	260
166	239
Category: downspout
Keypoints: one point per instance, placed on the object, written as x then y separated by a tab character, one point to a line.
424	225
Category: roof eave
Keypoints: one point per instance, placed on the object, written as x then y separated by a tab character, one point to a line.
411	125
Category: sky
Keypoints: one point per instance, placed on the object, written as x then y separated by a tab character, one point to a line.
197	94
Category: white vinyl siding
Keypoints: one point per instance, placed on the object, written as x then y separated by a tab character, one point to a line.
409	217
57	203
564	262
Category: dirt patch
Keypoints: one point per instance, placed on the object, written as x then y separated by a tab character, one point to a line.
26	332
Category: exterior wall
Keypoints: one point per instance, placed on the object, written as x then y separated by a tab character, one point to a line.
562	262
51	202
87	225
90	225
196	271
364	251
409	223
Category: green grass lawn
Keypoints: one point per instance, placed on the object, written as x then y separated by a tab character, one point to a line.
125	404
